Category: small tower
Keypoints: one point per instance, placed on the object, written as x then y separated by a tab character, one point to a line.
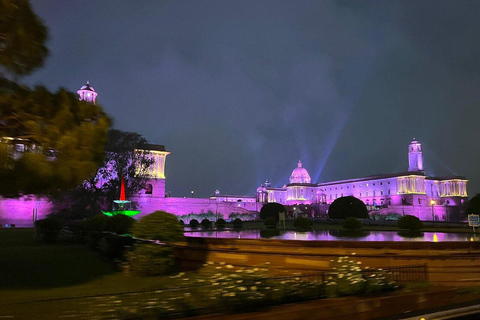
415	157
155	186
87	93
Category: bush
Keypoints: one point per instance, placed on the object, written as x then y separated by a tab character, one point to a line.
194	223
48	229
112	246
206	224
159	225
345	207
120	224
352	224
271	209
237	223
410	223
270	222
181	223
221	223
97	223
150	260
303	223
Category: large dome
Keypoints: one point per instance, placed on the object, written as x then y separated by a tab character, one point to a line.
300	175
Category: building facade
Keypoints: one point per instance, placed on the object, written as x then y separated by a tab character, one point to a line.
411	192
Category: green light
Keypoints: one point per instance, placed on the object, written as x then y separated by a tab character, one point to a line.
124	212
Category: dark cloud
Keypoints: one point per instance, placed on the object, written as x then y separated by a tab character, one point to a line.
239	91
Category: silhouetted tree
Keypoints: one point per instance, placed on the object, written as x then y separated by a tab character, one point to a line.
345	207
473	206
99	191
272	209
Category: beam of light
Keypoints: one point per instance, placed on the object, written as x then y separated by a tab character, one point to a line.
331	142
430	154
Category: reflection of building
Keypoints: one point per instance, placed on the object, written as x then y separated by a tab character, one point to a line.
411	192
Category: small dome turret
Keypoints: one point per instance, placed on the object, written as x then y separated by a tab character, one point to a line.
87	93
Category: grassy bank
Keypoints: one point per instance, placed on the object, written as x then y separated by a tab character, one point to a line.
35	271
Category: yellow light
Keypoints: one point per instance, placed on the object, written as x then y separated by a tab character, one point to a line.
432	202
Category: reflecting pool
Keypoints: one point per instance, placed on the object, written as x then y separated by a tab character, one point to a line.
336	235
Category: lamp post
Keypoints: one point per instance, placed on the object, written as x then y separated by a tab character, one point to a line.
432	202
191	192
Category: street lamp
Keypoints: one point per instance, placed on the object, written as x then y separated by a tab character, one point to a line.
191	192
432	202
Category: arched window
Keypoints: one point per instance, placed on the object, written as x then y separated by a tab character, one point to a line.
148	188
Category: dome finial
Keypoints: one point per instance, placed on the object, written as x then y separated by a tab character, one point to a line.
299	163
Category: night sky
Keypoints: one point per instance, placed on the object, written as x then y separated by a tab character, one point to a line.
239	91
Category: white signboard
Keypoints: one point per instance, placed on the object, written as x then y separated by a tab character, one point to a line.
473	220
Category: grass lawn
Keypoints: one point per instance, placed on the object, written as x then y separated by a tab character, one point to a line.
32	271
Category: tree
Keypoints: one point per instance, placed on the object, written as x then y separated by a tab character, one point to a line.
345	207
62	140
121	159
272	209
22	38
473	206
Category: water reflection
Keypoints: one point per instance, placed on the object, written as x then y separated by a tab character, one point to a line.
335	235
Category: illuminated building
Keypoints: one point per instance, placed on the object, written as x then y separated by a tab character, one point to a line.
411	192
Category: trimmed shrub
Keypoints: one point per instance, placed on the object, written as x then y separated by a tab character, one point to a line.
268	233
206	224
194	223
270	222
221	223
159	225
48	229
410	223
150	260
120	224
237	223
271	209
345	207
352	224
302	223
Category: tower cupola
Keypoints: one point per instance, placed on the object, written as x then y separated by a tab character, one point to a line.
415	157
87	93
